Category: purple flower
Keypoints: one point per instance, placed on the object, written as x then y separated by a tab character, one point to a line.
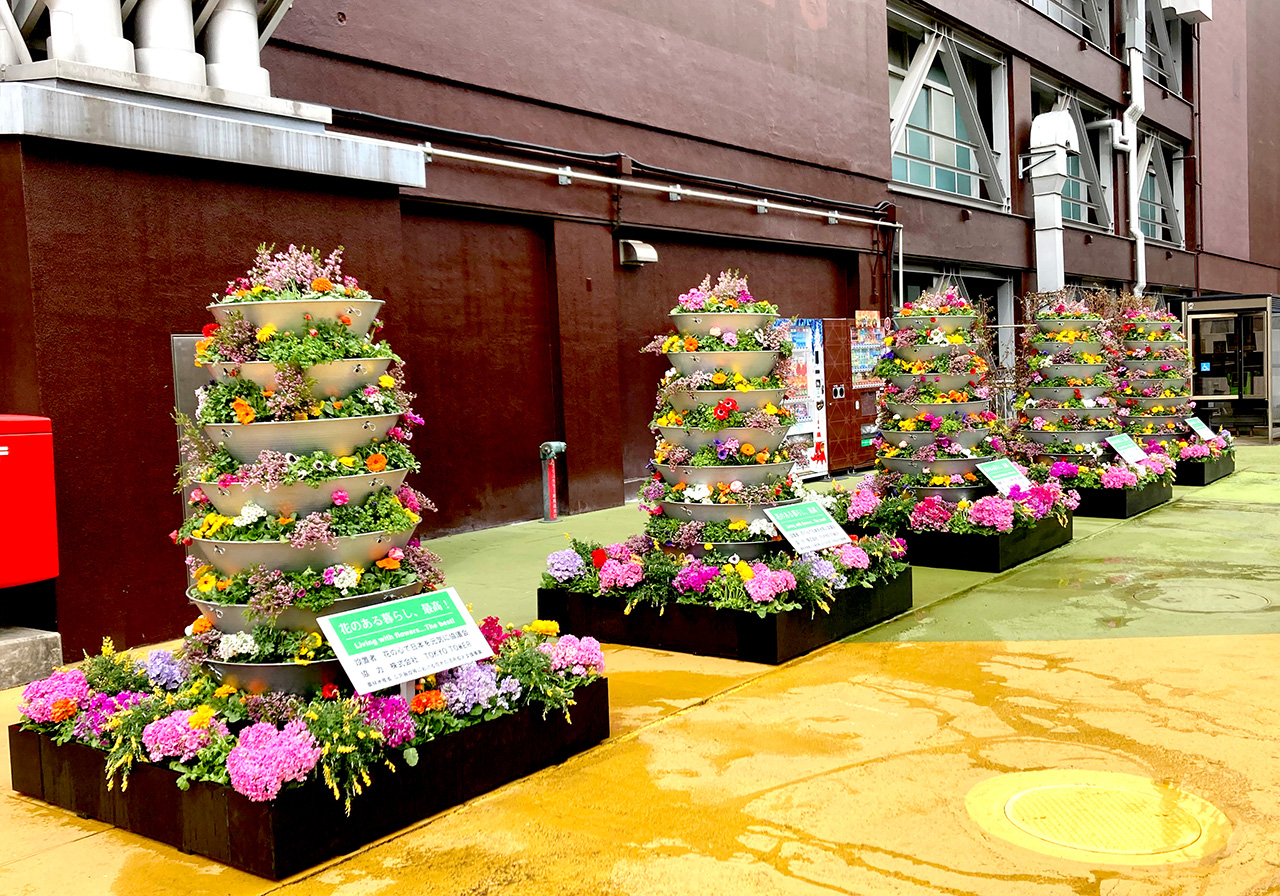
564	566
694	577
312	531
164	670
730	338
390	715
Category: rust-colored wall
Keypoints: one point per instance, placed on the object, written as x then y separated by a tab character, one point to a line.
125	250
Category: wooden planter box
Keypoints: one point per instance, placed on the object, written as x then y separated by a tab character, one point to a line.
734	634
1122	503
306	825
1191	472
987	553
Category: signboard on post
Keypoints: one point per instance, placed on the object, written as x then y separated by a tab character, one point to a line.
1127	448
400	641
1198	427
807	526
1004	475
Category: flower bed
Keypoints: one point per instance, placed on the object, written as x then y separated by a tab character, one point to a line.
990	551
1122	503
1201	472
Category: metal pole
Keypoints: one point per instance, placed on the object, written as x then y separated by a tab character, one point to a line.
547	451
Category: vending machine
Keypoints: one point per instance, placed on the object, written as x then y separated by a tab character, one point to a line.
807	399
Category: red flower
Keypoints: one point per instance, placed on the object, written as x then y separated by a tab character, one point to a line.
721	412
209	329
173	536
1077	391
329	691
731	404
345	319
598	556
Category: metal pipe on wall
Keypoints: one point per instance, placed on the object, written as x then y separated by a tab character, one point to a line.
89	31
1135	41
164	35
231	49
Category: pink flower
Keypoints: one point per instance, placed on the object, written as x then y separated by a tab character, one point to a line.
931	513
861	504
395	554
1117	476
39	697
199	497
735	486
853	556
620	575
992	511
265	758
340	497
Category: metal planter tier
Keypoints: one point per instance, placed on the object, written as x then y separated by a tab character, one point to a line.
1151	365
713	513
333	379
919	439
746	550
1080	324
299	498
1053	415
289	678
949	409
1066	393
751	399
291	314
1073	437
947	323
942	381
353	550
693	439
927	352
749	364
700	324
1177	382
1144	403
342	435
747	474
1080	371
953	494
939	467
1052	348
1134	345
230	618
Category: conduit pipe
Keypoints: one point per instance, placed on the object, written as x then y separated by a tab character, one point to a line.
164	33
1135	47
89	31
231	48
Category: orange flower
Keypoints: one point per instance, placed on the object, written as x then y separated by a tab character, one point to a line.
388	563
691	343
678	486
62	709
718	378
337	405
426	700
747	449
322	284
762	457
344	319
376	462
732	303
244	411
200	626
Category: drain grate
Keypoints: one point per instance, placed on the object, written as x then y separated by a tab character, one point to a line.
1098	816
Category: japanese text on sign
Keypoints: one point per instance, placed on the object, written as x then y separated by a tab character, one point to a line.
403	640
1004	475
807	526
1127	448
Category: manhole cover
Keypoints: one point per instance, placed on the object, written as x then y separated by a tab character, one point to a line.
1099	817
1103	819
1209	603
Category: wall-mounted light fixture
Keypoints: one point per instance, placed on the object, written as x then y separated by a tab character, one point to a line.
634	253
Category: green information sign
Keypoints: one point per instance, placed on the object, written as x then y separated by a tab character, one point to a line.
403	640
1004	475
807	526
1127	448
1199	428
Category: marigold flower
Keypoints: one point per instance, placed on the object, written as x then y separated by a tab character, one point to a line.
266	332
200	626
691	343
762	457
747	449
225	690
376	462
386	382
543	627
426	700
388	563
62	709
202	716
321	284
719	378
244	411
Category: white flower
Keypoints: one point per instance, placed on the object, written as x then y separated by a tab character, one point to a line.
764	528
235	644
698	493
346	578
734	560
714	331
250	513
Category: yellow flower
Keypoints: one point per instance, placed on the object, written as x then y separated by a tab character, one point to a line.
225	690
258	289
348	461
108	647
544	627
314	639
744	570
770	409
310	714
738	525
963	505
316	410
266	332
200	570
386	382
202	716
206	583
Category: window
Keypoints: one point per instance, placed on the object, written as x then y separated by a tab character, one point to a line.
946	102
1159	202
1087	18
1086	196
1162	56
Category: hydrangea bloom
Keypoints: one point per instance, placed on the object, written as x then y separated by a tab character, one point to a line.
992	511
53	696
175	737
618	551
468	686
1192	452
620	575
266	757
563	566
861	504
767	583
164	670
390	715
578	655
931	513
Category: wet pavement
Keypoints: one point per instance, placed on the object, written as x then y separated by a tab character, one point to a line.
890	763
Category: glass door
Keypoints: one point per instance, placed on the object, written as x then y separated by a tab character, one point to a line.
1253	354
1215	355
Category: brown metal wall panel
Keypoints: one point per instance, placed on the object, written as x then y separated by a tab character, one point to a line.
480	347
19	370
126	249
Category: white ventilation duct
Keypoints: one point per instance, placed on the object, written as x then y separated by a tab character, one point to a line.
1053	135
1192	11
231	44
166	42
89	31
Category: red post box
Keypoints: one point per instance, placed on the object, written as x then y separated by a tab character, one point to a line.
28	519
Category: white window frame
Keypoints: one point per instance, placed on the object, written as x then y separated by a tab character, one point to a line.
1162	56
1088	19
1170	200
990	152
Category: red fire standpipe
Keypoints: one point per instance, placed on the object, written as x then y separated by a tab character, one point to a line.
550	502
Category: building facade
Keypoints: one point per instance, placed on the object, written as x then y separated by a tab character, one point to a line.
844	155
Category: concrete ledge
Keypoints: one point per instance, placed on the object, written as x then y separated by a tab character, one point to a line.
209	132
27	654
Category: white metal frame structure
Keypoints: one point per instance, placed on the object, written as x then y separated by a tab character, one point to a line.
1162	56
1087	18
1159	204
